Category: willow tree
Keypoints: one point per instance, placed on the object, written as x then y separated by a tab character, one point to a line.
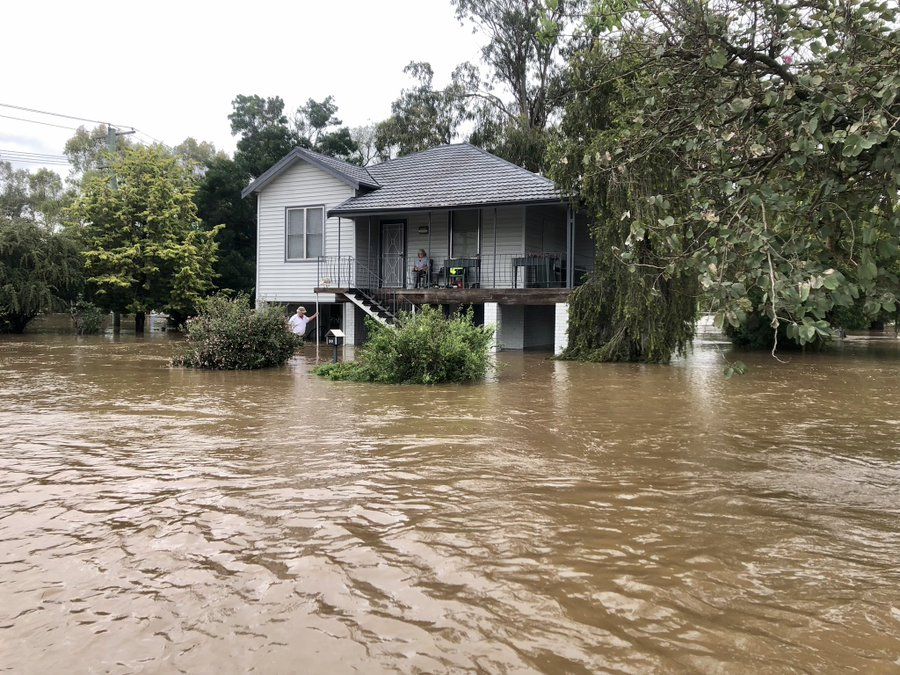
144	246
40	270
746	147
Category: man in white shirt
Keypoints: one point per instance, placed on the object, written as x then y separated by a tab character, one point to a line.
299	321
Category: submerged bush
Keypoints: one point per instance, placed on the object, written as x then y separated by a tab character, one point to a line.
87	317
424	348
228	334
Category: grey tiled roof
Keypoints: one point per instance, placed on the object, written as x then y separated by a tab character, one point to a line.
448	176
355	176
357	173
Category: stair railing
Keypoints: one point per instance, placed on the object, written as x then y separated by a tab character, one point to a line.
349	273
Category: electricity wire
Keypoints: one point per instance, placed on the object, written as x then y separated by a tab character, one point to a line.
32	157
48	124
68	117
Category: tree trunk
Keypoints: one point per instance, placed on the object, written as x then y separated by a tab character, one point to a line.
139	318
117	323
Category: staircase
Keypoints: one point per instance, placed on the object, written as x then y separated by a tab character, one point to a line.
371	306
353	280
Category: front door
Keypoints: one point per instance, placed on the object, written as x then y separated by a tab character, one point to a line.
393	265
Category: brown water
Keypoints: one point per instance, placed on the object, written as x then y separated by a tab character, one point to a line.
561	518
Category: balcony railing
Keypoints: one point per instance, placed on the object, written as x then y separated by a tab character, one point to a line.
501	271
349	272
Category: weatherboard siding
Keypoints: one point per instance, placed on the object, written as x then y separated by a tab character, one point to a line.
300	185
508	241
435	240
545	229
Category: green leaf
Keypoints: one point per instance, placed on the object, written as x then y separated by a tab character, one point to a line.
868	271
719	320
717	60
739	105
807	333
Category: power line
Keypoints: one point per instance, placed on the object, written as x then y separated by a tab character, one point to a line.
69	117
155	140
48	124
42	162
47	155
33	157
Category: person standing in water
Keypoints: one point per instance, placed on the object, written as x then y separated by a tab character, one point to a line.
300	321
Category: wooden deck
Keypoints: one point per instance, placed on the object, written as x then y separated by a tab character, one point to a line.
471	296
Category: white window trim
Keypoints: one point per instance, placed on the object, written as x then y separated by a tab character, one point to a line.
287	212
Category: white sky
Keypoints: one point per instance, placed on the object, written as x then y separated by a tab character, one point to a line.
171	68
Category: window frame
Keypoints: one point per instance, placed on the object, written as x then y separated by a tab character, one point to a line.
305	233
452	246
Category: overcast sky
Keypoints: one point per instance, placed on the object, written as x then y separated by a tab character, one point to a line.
170	69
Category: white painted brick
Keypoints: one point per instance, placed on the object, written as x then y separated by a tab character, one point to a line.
561	337
491	316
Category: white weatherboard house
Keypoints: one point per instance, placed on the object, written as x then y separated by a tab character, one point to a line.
500	239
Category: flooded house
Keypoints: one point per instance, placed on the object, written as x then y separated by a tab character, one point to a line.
498	238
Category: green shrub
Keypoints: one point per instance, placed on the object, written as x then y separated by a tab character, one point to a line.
87	317
342	370
228	334
424	348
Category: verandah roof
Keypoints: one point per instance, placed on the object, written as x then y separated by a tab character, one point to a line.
448	176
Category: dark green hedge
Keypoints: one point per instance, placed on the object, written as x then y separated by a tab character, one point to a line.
228	334
424	348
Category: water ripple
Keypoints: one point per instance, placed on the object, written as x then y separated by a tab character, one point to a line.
568	518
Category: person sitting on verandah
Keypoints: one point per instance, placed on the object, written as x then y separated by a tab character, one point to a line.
421	268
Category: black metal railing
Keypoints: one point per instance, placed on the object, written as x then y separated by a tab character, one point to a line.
388	274
509	270
353	274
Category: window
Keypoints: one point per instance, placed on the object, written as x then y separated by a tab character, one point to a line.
464	234
305	232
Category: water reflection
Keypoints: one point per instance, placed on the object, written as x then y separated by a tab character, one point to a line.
559	518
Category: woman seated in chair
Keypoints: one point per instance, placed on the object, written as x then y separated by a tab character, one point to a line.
421	269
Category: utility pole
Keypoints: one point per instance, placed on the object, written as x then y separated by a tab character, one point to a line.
111	134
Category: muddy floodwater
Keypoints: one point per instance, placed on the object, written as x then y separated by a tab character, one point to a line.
558	518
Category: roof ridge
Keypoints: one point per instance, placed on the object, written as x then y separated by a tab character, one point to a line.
330	159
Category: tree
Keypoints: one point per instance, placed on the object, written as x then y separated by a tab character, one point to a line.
527	42
315	122
14	193
197	154
87	150
145	248
40	270
35	196
749	147
364	137
265	134
422	117
219	202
